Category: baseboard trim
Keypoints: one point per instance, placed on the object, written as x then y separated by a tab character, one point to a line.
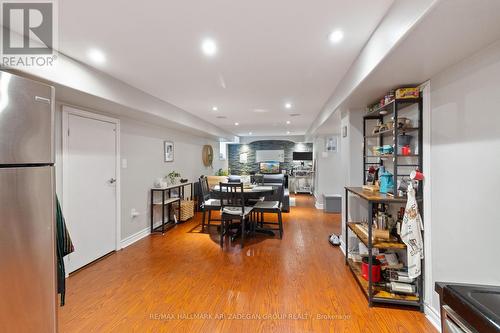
136	237
318	205
342	245
433	316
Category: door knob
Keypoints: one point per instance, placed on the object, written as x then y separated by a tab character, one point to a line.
112	181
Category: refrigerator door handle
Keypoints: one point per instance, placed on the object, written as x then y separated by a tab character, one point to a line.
42	99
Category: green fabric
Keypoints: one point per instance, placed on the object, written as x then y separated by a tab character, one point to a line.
64	247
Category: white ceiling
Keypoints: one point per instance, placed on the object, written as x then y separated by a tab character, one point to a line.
269	53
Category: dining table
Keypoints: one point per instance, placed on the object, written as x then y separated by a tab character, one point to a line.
251	191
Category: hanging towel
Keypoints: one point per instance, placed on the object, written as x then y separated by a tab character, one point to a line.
411	234
64	247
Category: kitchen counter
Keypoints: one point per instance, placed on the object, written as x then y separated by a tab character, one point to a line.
477	305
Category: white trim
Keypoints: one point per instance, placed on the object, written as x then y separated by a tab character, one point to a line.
137	236
427	146
342	246
318	205
433	316
66	111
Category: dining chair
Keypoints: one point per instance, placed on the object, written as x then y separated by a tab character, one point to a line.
233	208
208	204
271	206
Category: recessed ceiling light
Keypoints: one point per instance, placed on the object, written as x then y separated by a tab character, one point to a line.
287	132
214	108
236	124
260	110
209	47
336	36
97	56
288	105
288	122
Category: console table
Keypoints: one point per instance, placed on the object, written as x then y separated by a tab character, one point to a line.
163	197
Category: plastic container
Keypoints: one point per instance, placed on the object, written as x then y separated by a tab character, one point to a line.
376	269
386	182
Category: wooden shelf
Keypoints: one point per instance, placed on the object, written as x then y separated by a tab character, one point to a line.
380	294
392	155
401	102
391	131
375	196
167	201
379	244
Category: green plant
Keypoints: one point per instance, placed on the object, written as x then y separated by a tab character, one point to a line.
221	172
172	175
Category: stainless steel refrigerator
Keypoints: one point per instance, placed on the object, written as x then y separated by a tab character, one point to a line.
27	224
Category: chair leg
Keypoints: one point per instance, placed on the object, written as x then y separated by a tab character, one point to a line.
243	231
222	230
203	220
262	219
280	222
209	216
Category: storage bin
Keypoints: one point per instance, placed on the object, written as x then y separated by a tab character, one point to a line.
187	210
332	203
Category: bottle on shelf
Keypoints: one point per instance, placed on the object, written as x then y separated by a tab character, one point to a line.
400	288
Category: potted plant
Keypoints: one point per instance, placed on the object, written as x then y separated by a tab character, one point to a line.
173	177
221	172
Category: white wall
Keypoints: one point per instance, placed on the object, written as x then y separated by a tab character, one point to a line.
465	166
337	170
142	146
328	177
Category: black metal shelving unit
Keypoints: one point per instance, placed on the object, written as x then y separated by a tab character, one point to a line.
392	110
401	165
377	295
166	201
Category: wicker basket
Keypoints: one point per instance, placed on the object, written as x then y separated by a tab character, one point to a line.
187	210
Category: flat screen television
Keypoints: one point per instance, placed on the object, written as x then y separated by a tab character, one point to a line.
302	156
269	167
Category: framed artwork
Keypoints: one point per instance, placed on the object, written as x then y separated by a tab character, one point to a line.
331	144
169	151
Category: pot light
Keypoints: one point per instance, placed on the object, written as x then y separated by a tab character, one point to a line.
287	132
336	36
97	56
288	122
209	47
288	105
236	124
260	110
214	108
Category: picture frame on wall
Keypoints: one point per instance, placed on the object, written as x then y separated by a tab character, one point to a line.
168	151
331	144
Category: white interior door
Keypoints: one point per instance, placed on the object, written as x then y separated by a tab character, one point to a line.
89	182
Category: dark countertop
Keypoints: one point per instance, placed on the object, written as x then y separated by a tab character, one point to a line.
478	305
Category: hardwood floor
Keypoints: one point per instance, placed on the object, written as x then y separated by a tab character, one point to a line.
184	282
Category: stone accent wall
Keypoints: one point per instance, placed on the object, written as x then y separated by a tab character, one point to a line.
234	151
